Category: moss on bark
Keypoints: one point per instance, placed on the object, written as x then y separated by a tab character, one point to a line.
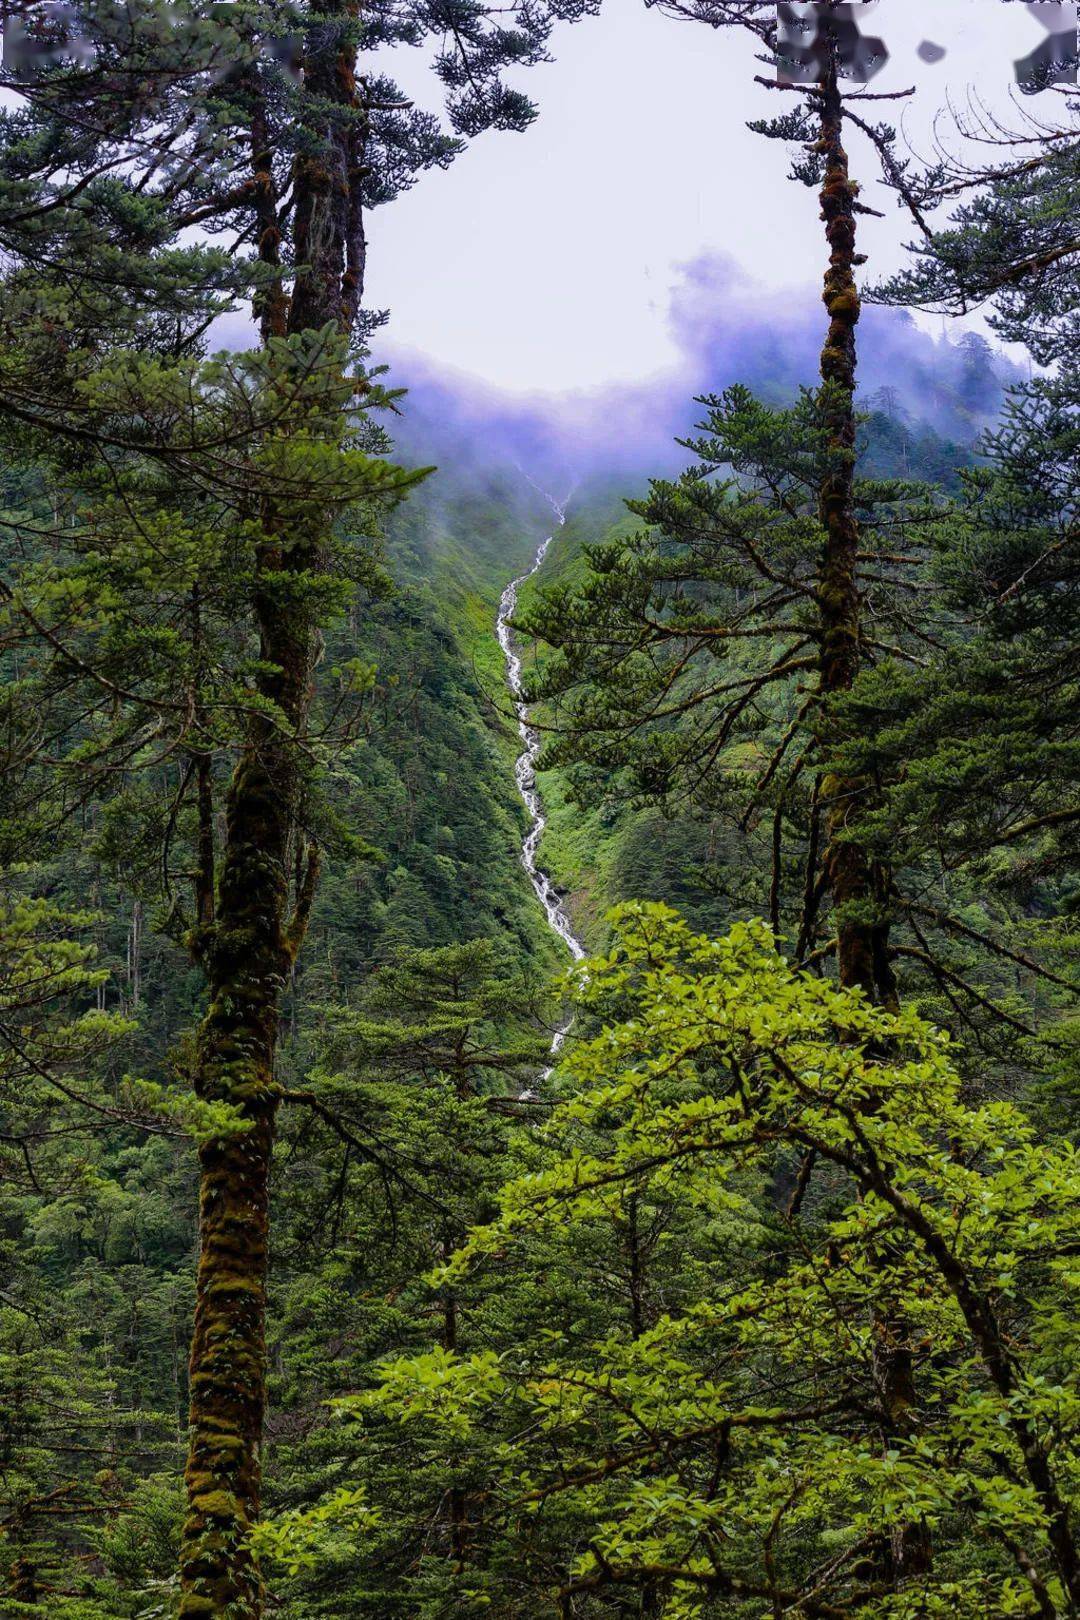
846	865
247	964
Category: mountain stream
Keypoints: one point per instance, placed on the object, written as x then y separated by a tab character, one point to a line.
525	773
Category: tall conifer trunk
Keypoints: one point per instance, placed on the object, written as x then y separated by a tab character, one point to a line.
855	881
257	930
847	867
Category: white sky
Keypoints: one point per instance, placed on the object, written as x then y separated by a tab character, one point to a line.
544	260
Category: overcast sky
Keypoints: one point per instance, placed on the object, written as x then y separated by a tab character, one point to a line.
545	260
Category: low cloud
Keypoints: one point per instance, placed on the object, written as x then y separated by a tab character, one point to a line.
726	331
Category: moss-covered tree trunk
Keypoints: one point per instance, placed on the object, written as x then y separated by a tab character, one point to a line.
249	949
247	953
857	883
847	868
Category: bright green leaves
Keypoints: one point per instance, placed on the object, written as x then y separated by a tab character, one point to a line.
736	1439
300	1540
439	1387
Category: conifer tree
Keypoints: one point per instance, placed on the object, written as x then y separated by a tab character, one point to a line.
779	544
977	746
260	130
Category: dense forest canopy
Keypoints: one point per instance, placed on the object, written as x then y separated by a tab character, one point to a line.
362	1250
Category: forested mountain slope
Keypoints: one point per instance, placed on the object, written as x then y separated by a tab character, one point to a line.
437	799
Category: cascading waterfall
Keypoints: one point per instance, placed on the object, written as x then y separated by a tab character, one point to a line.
525	772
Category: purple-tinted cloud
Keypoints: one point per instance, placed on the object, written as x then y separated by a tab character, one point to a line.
726	331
